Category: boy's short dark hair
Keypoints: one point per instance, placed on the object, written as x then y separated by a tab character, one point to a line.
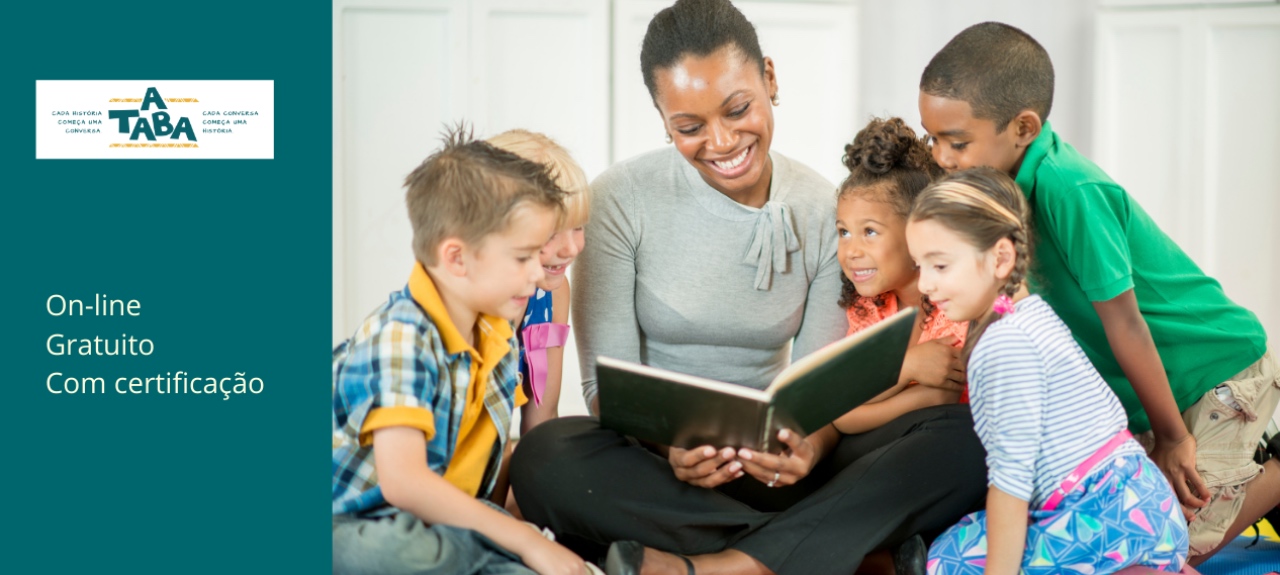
695	28
998	69
469	189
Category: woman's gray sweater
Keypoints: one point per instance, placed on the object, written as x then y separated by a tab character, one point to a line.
678	276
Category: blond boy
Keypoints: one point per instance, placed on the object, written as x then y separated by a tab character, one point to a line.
550	304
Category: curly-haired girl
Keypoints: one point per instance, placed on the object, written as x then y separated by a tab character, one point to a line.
888	167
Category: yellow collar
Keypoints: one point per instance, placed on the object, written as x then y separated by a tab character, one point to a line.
493	330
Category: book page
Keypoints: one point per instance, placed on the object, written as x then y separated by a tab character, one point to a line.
685	379
669	408
809	362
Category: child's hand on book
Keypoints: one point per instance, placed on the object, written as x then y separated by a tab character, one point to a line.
705	466
935	363
786	468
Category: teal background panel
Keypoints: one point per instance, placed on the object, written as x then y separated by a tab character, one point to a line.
231	261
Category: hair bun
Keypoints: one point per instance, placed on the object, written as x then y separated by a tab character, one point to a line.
881	146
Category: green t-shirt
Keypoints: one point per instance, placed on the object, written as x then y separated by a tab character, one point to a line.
1093	243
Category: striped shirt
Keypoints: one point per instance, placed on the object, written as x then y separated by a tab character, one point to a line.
1039	406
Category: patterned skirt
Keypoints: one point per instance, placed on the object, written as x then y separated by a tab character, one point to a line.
1123	514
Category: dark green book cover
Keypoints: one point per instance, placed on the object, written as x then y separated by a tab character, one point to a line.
681	410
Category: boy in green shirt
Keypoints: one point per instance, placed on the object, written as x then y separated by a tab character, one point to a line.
1190	366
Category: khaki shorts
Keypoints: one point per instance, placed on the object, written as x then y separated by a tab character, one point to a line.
1226	440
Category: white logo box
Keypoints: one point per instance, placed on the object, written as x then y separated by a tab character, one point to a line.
229	119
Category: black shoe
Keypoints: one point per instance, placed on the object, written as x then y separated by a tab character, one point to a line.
626	558
909	558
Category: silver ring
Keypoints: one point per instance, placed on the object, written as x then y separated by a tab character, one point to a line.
776	475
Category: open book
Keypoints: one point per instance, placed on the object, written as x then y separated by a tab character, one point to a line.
685	411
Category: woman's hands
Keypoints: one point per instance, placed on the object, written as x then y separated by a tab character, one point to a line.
705	466
786	468
708	467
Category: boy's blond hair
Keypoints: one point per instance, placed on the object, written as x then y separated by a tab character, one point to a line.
469	189
566	172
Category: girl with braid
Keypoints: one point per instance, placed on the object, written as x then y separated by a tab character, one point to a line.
1068	484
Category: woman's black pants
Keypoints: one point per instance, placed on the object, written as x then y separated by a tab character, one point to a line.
917	474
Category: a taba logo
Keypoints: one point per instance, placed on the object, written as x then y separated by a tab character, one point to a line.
158	125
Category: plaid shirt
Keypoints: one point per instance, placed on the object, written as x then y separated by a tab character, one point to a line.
402	358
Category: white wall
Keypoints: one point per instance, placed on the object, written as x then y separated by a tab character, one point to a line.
897	39
405	69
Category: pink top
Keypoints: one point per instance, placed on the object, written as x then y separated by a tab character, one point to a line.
937	326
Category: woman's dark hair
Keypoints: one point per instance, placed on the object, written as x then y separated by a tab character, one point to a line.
887	163
698	28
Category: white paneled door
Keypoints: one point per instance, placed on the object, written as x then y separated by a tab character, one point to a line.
400	75
405	70
1185	115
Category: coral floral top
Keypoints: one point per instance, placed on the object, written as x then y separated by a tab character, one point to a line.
864	313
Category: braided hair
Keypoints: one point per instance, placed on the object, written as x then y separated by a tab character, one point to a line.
888	163
984	205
